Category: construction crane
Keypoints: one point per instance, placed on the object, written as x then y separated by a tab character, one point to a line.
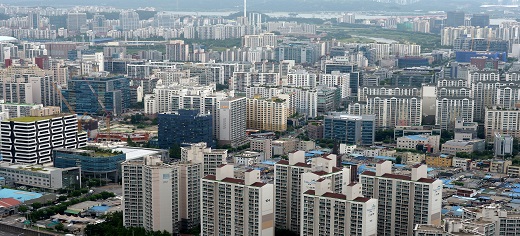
107	118
71	110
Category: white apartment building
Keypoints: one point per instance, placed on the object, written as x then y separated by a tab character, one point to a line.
160	196
505	122
260	40
208	157
231	120
231	206
403	201
30	140
294	177
326	213
240	81
394	111
337	79
300	79
365	91
451	108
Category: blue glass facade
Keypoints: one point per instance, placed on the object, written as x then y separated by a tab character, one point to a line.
348	129
113	92
188	126
87	163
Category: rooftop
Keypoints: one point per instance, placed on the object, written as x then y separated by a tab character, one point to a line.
27	119
19	195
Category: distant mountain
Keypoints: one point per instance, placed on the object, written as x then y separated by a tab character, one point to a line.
264	5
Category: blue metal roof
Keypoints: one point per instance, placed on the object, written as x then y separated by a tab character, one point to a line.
417	137
19	195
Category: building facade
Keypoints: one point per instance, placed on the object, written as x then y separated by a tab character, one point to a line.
187	126
30	140
349	129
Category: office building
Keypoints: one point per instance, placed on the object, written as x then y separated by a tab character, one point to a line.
455	19
268	115
129	20
30	140
301	53
326	213
37	176
76	21
231	123
480	20
503	145
349	129
403	201
231	206
185	126
94	163
294	177
97	95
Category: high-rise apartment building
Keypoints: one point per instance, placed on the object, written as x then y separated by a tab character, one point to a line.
200	153
269	115
177	50
504	122
129	20
75	21
403	201
231	206
324	212
30	140
294	177
350	129
160	196
449	108
231	124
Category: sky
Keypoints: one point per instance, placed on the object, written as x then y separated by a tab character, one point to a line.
259	5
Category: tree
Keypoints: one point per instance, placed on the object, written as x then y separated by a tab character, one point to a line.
59	227
398	160
130	142
36	205
23	209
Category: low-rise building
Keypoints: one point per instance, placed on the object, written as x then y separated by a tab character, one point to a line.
315	129
465	130
463	163
466	146
428	143
305	145
249	158
412	157
513	171
262	145
499	166
439	161
37	176
284	146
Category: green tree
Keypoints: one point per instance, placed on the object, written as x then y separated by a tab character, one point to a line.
36	205
130	142
23	209
59	227
398	160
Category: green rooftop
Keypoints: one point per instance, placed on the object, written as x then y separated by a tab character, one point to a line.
33	118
